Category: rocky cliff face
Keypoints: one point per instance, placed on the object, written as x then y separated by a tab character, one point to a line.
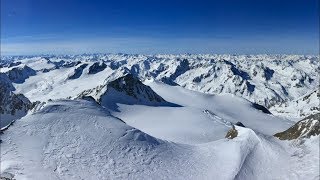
12	106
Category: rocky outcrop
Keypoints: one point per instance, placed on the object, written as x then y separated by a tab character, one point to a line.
307	127
232	133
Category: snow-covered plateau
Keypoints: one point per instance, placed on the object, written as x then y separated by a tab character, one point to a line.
122	116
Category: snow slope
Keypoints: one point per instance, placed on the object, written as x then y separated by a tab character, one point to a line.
185	116
79	140
201	117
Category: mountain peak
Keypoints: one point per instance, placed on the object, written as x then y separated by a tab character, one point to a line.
132	86
127	89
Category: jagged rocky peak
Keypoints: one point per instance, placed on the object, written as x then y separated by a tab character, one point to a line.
12	106
97	67
132	86
20	74
77	72
127	89
307	127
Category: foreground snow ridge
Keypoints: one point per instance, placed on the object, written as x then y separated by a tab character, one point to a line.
78	139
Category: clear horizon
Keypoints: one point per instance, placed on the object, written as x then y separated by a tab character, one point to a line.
35	27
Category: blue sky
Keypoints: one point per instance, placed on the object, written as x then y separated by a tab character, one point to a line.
159	26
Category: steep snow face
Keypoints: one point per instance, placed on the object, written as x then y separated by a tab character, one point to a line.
309	126
268	80
12	106
79	140
301	107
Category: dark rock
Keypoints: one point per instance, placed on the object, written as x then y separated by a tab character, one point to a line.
20	74
181	69
239	124
97	67
261	108
78	72
232	133
133	87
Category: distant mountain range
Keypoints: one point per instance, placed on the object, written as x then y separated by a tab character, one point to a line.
281	83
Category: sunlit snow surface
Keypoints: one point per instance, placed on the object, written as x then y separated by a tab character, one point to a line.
79	139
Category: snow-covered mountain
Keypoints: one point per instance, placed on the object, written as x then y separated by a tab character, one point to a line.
119	116
127	89
301	107
273	81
